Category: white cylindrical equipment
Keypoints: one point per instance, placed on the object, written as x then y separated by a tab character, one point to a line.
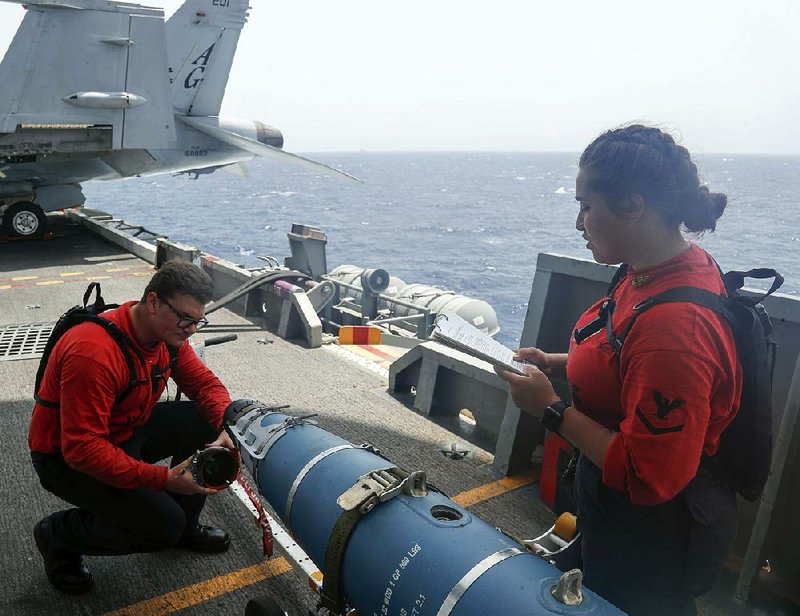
438	301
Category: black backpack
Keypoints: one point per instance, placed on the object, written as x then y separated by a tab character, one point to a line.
743	458
90	312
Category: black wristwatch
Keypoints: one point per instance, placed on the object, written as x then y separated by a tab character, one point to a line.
554	415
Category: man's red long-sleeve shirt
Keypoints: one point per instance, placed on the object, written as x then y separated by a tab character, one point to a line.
674	387
85	374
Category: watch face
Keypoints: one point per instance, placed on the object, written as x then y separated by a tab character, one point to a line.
553	415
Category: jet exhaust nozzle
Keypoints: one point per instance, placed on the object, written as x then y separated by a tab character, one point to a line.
268	135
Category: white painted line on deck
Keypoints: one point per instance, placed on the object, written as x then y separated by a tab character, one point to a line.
357	359
291	549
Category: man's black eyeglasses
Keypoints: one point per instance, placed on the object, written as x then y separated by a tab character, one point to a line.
184	320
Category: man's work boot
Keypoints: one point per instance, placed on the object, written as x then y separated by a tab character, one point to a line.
204	538
65	569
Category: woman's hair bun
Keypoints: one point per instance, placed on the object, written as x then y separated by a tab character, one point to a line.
702	212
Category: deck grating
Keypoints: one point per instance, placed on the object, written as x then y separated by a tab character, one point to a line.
23	341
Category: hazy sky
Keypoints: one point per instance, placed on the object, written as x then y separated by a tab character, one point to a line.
513	74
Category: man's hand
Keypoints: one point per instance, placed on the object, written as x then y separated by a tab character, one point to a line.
531	393
181	481
223	440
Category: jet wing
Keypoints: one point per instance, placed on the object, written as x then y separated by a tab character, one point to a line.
208	127
89	63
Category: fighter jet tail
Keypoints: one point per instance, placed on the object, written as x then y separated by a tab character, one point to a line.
201	40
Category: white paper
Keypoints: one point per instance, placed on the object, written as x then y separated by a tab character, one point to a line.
454	331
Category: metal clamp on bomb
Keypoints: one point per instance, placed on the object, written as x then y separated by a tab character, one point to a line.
242	414
215	467
273	434
244	419
371	489
379	486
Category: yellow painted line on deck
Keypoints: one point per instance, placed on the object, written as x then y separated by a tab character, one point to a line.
118	269
490	490
25	281
201	592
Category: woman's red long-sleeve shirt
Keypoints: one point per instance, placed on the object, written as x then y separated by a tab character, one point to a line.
85	374
674	387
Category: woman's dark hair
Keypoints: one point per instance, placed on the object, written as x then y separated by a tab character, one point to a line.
180	277
643	160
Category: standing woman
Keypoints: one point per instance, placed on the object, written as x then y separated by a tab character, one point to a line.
656	527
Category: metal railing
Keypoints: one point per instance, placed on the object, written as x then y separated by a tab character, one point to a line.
369	312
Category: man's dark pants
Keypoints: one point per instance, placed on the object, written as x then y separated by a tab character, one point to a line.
109	520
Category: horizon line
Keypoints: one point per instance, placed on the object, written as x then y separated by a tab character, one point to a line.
491	151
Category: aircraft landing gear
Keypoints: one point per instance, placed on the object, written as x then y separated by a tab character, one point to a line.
24	219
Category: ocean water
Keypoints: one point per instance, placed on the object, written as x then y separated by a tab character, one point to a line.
473	223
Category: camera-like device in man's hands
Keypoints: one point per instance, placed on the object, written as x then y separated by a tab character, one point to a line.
215	467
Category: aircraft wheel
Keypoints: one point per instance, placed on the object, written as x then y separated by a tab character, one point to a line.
24	219
264	606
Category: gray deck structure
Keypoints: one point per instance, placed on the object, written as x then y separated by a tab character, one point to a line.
40	279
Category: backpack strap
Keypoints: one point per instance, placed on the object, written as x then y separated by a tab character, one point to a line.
98	300
621	272
71	318
164	373
596	324
693	295
124	341
606	308
91	313
173	357
126	345
734	280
